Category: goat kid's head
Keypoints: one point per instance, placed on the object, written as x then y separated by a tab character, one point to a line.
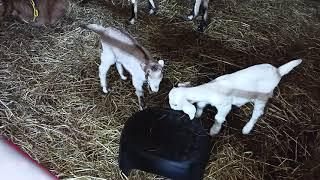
176	96
179	103
154	74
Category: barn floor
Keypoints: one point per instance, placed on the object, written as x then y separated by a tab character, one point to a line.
52	106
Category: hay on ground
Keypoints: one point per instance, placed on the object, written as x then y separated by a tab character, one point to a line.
52	106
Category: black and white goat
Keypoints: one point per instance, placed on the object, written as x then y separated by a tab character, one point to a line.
120	48
253	84
200	5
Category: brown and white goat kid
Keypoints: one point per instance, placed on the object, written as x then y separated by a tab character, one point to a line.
253	84
36	12
120	48
200	5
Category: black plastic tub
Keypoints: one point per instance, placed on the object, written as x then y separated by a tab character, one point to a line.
164	142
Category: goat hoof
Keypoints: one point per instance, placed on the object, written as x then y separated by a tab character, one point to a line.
142	108
188	17
200	29
246	130
214	131
202	26
132	21
106	90
124	78
152	12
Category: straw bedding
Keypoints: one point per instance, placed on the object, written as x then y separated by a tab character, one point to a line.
52	106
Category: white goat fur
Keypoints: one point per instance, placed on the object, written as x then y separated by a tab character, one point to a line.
254	84
141	70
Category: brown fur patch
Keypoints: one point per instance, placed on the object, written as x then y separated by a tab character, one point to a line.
135	49
49	10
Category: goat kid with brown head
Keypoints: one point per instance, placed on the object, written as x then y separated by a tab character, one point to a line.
36	12
121	49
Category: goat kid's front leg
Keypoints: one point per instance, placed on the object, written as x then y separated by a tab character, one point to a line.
220	118
138	84
200	107
134	11
258	110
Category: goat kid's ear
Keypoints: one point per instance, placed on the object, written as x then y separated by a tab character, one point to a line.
184	84
161	62
143	66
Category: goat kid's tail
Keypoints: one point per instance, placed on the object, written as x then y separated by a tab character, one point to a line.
286	68
95	28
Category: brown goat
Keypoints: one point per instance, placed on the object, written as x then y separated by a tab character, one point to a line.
49	11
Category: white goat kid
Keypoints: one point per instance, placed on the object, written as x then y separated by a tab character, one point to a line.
253	84
120	48
200	5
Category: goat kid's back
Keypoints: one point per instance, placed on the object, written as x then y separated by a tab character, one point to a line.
120	40
259	78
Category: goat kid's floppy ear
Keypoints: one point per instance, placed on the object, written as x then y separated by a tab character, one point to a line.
189	109
161	62
184	84
143	66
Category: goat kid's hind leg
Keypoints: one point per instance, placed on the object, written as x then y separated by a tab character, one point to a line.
195	11
258	110
219	118
204	20
134	11
139	92
200	107
120	71
152	7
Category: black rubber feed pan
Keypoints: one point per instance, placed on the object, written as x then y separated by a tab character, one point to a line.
164	142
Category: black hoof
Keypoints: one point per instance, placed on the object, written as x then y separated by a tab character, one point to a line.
200	29
202	26
153	12
131	21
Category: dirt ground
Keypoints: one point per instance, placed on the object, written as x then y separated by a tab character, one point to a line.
52	106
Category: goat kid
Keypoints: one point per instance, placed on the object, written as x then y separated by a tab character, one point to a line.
254	84
120	48
36	12
200	5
